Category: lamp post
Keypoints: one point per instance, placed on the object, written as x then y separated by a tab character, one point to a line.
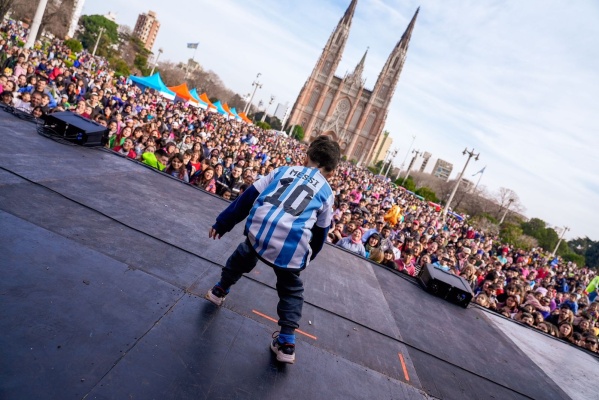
406	157
35	25
457	183
391	161
566	229
98	40
272	98
257	85
509	202
416	154
156	60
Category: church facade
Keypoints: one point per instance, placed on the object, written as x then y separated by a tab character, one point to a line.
342	107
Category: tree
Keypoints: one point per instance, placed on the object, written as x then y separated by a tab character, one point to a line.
298	132
263	125
5	6
408	184
74	45
427	193
91	25
275	123
55	20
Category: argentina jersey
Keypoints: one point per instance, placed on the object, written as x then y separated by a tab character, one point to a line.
291	201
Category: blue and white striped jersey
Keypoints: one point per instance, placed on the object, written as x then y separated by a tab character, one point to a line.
291	201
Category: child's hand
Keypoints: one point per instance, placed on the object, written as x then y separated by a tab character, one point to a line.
212	234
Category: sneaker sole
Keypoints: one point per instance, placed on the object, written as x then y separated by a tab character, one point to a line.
282	357
217	301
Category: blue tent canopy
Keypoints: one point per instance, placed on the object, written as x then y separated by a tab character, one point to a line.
234	111
153	82
219	108
196	97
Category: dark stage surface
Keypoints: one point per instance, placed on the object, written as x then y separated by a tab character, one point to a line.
104	266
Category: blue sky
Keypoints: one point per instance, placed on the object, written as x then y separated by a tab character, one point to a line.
517	81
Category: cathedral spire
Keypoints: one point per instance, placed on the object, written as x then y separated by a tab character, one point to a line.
387	79
349	13
360	67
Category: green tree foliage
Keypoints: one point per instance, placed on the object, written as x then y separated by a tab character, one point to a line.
592	255
263	125
91	29
408	184
427	193
575	258
537	228
74	45
120	67
275	123
298	132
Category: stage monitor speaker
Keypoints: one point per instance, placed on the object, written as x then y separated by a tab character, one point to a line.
75	128
450	287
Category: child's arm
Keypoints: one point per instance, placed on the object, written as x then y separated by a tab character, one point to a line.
319	236
237	211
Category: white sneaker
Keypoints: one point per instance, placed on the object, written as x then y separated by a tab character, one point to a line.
215	299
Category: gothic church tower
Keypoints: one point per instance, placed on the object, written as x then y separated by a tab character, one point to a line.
344	108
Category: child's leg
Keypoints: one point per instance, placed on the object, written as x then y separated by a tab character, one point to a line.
243	260
290	289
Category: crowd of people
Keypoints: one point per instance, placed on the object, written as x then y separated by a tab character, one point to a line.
372	218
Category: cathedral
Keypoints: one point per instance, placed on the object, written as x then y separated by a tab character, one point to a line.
343	108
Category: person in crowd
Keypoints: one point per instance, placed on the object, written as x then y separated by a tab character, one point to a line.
353	243
176	167
207	180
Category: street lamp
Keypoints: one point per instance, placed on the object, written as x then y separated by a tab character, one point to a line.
272	98
416	154
509	202
98	40
391	161
566	229
156	60
257	85
406	157
457	183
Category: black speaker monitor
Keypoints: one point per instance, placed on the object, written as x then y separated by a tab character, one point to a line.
450	287
75	128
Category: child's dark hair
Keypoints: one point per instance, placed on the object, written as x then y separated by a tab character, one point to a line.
324	152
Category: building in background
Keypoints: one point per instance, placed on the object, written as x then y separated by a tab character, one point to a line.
77	10
442	169
342	107
146	29
425	157
110	16
382	147
280	111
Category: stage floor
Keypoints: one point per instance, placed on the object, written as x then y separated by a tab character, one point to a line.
105	263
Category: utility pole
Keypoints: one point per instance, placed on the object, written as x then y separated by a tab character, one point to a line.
406	157
459	180
272	98
416	154
257	85
509	202
35	25
566	229
156	60
98	40
391	162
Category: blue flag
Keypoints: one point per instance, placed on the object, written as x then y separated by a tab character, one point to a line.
192	45
481	171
